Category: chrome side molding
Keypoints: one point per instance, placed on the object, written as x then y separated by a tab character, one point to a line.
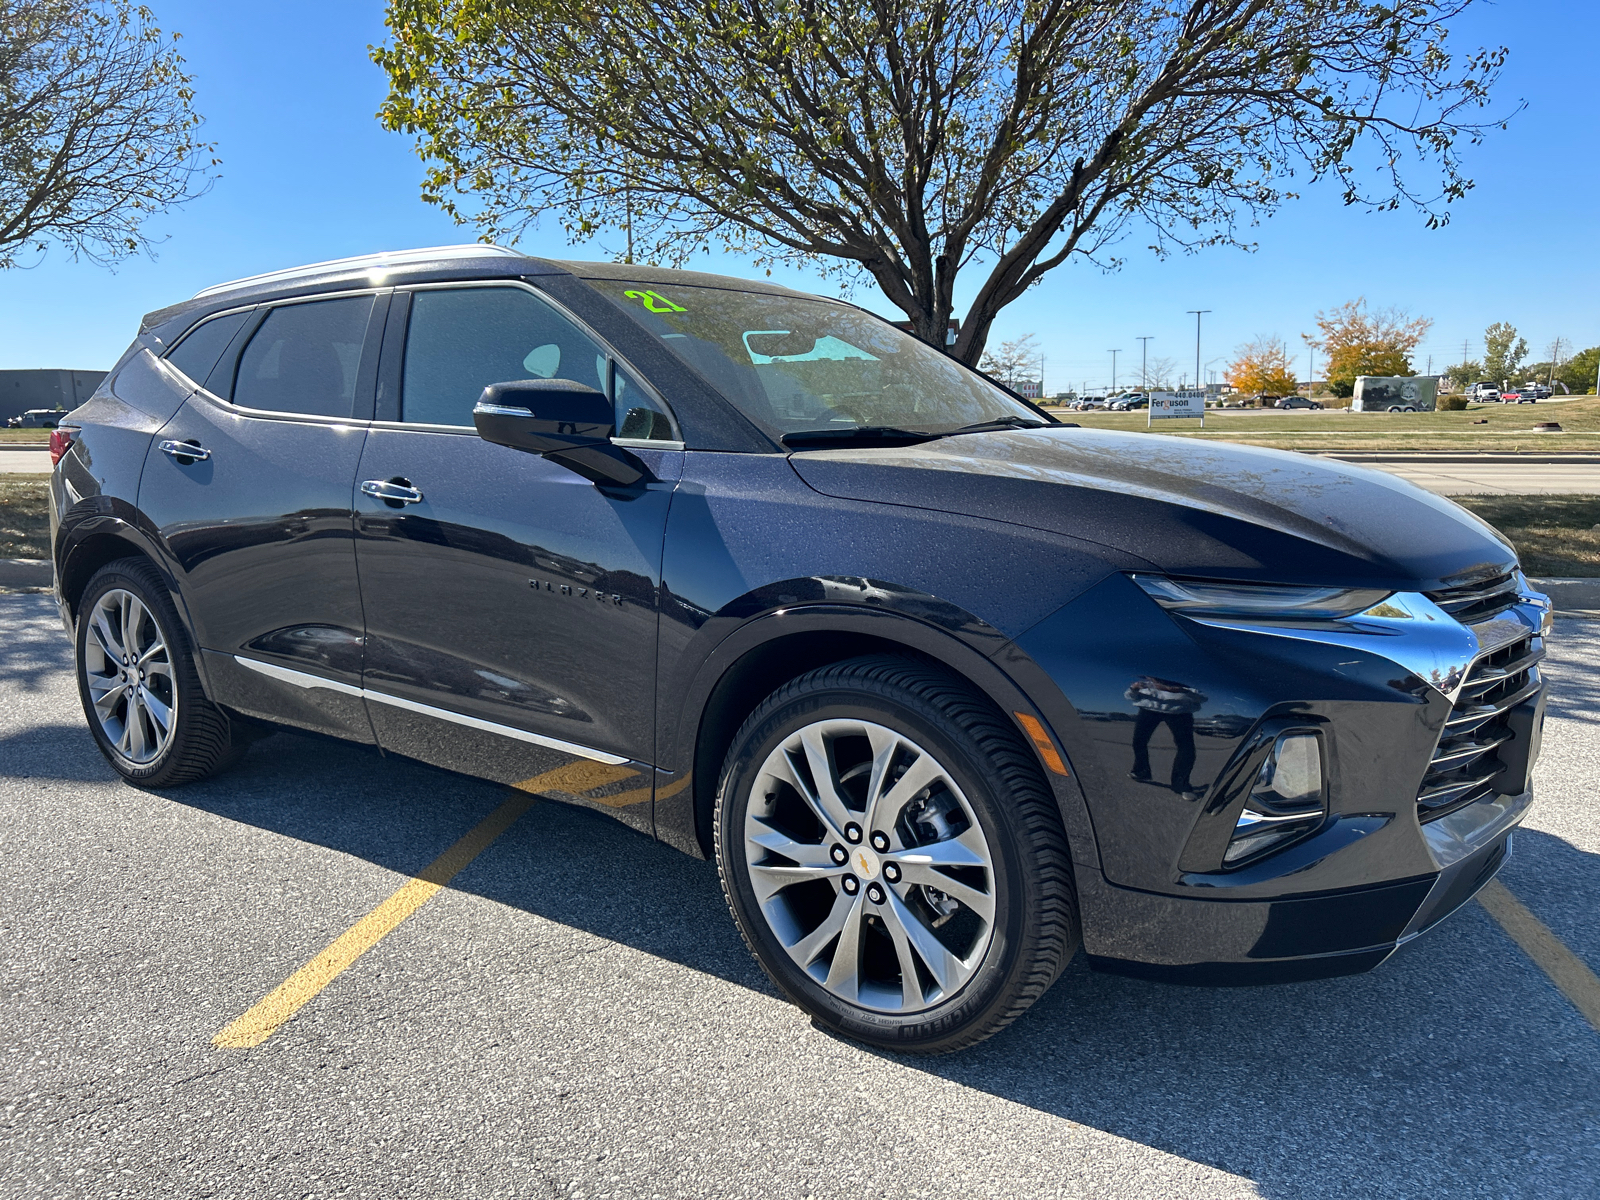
301	679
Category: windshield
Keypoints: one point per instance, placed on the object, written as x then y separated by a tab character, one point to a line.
798	366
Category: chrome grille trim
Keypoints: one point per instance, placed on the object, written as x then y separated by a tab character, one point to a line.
1480	601
1466	765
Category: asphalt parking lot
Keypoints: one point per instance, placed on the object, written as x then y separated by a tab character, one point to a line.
574	1015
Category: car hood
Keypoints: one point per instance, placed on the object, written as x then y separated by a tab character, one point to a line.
1184	506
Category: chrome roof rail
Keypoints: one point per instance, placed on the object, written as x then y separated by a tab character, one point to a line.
386	258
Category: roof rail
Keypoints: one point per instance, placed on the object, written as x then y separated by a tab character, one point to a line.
386	258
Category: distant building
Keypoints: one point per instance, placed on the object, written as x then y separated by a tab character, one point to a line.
22	390
1030	389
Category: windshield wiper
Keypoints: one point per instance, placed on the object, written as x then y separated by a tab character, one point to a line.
1013	422
883	435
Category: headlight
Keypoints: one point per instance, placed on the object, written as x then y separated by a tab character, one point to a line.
1261	601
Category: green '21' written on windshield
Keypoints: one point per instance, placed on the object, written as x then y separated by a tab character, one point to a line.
655	302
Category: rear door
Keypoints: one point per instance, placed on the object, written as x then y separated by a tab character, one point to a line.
510	604
249	486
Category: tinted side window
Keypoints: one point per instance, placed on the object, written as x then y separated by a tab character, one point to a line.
204	344
305	358
460	340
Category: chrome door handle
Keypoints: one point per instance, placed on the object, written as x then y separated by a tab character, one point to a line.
392	491
185	452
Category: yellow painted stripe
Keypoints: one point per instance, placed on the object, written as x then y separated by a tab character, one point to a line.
1566	970
278	1005
640	795
577	777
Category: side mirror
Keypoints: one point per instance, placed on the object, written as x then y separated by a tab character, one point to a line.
566	422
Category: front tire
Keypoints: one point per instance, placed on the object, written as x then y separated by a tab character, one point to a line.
893	856
137	680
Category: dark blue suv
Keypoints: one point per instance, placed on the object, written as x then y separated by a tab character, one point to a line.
945	687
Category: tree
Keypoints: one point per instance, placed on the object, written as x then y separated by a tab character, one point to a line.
909	141
1503	351
97	128
1362	341
1579	371
1160	372
1263	368
1464	375
1013	362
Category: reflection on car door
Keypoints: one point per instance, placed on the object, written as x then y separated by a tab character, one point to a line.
510	604
250	487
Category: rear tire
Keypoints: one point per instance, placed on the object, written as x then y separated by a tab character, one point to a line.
893	856
137	680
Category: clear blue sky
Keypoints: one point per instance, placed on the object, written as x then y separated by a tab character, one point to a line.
289	95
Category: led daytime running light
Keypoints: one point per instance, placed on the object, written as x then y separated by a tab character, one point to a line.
1262	601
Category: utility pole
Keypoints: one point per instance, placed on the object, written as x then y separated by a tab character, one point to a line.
1144	358
1196	313
1114	354
1311	379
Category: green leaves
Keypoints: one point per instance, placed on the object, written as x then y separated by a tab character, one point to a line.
912	141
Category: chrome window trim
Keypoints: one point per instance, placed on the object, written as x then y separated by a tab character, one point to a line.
645	444
301	679
583	326
272	413
166	353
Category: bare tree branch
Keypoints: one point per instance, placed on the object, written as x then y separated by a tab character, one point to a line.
97	128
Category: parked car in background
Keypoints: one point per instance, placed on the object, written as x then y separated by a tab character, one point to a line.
1484	393
1130	402
1535	391
1299	402
37	418
946	687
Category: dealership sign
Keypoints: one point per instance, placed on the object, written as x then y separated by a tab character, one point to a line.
1177	404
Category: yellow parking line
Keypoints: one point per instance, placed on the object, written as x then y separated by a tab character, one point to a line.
1566	970
278	1005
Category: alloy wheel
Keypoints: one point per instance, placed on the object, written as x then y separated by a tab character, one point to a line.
127	666
870	866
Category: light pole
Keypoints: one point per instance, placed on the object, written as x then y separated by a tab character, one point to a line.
1144	359
1196	314
1114	354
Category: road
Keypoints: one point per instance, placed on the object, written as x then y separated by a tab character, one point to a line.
1497	479
575	1017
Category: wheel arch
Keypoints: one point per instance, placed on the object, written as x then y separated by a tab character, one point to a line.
767	651
85	545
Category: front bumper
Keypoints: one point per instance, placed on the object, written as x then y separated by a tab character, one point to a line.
1227	942
1407	837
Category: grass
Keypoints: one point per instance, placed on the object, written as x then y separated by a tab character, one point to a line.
1557	536
24	517
27	436
1507	428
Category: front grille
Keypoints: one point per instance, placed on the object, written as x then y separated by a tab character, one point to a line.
1479	601
1466	764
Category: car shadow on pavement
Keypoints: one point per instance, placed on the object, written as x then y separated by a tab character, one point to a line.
1454	1069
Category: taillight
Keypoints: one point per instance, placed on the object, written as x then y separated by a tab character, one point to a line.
61	438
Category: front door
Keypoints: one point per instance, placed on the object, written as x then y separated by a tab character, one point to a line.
510	604
250	487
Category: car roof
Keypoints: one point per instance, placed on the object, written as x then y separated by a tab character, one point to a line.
434	264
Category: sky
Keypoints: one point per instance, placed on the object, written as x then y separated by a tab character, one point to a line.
289	92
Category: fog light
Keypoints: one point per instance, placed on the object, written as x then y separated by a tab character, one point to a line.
1286	800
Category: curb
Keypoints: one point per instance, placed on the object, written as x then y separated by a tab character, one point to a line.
25	446
1572	597
26	572
1576	458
